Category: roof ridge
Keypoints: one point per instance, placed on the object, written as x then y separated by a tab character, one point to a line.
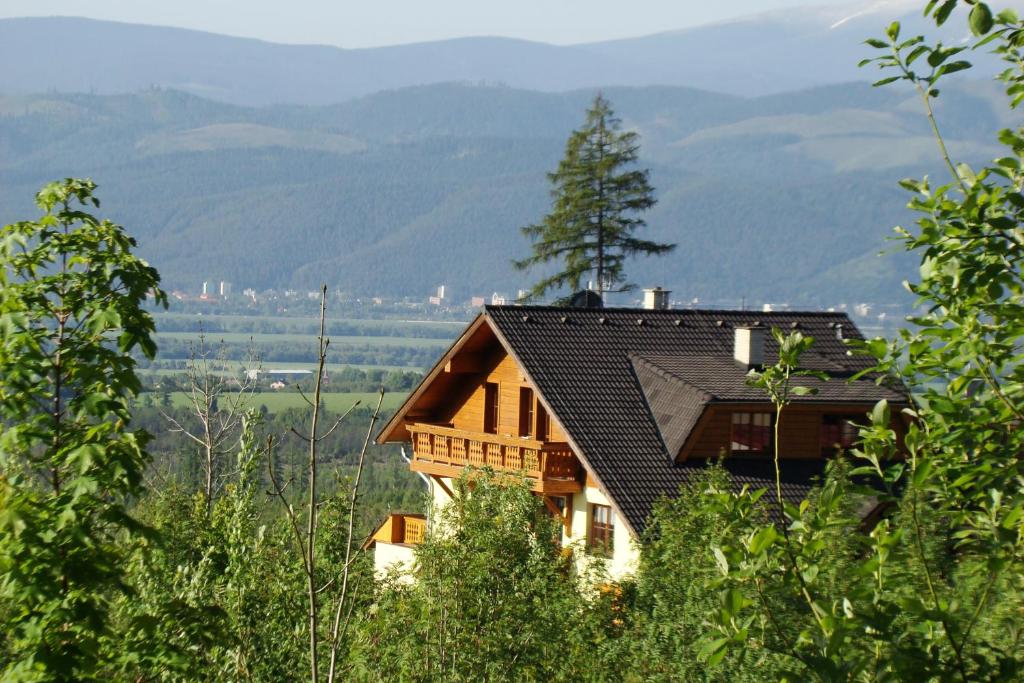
664	311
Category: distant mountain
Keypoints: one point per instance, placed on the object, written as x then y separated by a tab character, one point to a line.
776	198
769	53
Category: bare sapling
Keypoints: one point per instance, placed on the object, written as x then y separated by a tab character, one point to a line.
305	539
218	402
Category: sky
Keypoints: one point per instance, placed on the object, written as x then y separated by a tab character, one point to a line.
371	23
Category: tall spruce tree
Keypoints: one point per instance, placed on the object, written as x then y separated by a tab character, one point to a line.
597	202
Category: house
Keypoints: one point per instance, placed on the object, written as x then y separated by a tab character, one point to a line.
606	410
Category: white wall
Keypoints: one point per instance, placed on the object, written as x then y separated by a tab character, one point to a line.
388	557
625	552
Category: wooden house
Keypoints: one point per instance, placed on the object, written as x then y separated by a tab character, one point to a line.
606	410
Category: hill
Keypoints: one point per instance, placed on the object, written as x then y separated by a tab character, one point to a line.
783	197
767	53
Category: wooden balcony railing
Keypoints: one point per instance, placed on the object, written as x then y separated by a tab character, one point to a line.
415	530
445	451
404	528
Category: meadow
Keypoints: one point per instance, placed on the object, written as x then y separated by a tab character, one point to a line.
362	354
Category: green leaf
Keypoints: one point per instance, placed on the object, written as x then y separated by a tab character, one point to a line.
762	540
713	651
721	561
880	414
980	19
886	81
945	9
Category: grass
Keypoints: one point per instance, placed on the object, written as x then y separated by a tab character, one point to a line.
235	366
437	329
334	402
214	338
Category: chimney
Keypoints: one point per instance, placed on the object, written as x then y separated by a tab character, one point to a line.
749	346
656	299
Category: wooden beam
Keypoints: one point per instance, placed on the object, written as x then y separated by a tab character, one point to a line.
565	518
465	362
444	486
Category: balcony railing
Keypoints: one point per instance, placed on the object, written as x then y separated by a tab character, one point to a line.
401	528
415	530
446	451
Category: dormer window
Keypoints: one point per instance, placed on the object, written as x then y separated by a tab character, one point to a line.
838	433
751	433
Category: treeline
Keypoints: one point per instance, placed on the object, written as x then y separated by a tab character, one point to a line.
300	352
387	482
211	325
346	380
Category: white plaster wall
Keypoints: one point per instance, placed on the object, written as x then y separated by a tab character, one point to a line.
388	557
625	552
438	494
625	555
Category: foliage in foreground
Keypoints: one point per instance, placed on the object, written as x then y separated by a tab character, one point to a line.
69	284
494	598
935	592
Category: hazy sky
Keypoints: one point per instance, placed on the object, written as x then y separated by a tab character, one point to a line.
387	22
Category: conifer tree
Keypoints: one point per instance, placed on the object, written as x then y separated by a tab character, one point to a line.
597	202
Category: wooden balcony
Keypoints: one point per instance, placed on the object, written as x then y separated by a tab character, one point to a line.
401	529
446	452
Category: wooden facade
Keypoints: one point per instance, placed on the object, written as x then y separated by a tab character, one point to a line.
800	434
480	411
445	452
477	408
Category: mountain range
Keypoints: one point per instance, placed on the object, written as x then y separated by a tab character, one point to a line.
785	196
767	53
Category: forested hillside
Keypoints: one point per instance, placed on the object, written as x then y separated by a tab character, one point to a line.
396	193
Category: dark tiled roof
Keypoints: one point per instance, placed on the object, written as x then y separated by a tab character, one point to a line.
722	379
587	362
674	404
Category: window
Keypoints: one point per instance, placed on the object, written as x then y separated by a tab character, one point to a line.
491	408
543	423
525	411
751	433
602	530
838	433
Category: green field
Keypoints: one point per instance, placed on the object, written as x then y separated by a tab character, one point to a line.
232	367
335	402
214	338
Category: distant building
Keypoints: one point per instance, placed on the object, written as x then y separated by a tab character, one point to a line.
476	301
284	373
225	289
498	299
